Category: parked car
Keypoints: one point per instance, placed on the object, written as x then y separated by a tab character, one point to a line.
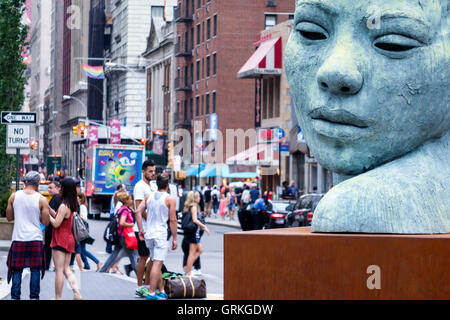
277	211
302	213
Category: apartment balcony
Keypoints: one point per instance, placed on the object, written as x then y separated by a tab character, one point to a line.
182	85
183	16
182	51
181	121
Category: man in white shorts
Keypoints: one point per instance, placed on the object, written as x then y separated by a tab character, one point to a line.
161	207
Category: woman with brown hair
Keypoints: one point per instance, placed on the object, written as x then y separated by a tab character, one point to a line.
63	241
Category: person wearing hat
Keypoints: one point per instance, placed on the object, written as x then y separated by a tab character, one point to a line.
28	209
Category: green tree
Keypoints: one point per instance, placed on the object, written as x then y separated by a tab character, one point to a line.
13	36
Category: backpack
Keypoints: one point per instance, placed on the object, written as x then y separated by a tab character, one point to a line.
215	199
111	235
187	224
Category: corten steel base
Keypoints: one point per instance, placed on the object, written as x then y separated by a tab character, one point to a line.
294	264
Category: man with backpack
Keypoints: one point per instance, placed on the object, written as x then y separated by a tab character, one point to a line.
215	195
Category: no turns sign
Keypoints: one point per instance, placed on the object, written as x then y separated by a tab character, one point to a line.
18	136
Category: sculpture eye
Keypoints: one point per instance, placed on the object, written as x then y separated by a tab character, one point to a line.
311	31
394	43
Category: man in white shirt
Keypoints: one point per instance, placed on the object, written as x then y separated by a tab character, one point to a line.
161	207
28	209
142	189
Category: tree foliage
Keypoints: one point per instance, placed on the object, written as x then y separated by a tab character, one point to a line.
13	36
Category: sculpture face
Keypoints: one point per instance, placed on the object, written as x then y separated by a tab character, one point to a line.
370	79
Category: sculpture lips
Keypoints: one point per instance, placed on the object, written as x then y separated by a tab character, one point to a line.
338	116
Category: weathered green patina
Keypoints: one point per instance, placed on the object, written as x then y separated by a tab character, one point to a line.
371	85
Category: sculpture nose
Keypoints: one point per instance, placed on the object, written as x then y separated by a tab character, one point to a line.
339	79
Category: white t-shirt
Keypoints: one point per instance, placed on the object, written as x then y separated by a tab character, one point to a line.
83	212
141	190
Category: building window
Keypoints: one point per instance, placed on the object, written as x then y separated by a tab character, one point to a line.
185	110
214	102
192	38
214	63
208	66
197	106
199	4
198	70
203	33
186	41
157	11
186	71
270	21
207	103
198	33
192	73
270	98
191	108
215	26
203	68
208	29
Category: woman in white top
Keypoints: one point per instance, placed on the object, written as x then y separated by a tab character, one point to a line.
84	215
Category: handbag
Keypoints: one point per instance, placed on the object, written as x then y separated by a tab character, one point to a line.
187	224
185	287
79	229
130	238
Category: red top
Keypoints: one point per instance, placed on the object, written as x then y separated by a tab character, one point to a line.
63	236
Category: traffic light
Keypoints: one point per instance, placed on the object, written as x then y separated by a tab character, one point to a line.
33	144
75	130
142	140
170	156
82	130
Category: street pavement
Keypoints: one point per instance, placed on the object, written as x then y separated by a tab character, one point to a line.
104	286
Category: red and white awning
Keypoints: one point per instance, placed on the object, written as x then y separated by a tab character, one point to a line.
266	60
262	154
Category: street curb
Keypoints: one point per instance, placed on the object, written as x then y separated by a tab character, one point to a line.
5	245
225	224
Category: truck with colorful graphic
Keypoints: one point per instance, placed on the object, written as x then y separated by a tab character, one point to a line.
106	167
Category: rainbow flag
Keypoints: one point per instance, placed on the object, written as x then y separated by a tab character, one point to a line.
94	72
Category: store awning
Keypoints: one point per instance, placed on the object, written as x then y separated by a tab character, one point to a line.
208	172
238	175
266	60
193	171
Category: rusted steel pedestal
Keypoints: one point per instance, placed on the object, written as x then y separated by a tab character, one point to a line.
293	264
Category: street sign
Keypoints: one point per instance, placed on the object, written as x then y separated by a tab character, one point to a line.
18	137
12	117
280	133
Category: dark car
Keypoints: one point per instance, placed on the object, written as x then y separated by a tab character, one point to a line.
302	213
277	211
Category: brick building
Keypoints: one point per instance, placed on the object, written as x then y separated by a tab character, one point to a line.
213	38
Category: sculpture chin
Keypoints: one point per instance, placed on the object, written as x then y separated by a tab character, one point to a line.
409	195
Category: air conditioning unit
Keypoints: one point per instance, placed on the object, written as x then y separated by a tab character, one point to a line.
207	46
206	83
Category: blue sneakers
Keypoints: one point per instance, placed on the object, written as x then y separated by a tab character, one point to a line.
157	296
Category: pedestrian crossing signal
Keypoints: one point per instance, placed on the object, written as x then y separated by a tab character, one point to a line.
75	130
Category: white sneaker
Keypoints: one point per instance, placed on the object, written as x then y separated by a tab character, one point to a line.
197	272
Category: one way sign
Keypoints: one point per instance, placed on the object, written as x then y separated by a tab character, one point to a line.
12	117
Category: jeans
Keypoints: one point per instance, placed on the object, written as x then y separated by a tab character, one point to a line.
109	247
215	206
35	283
83	257
87	254
115	256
